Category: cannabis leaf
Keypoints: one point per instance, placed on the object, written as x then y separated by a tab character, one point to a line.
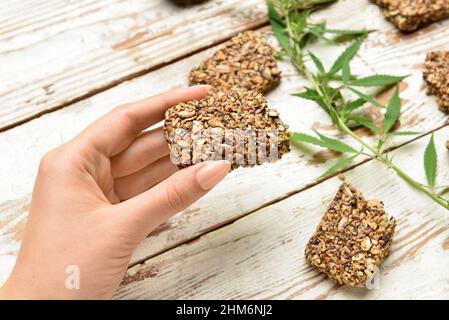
405	133
367	98
393	111
347	35
293	23
367	123
309	4
346	56
278	27
335	144
339	165
324	142
430	162
348	108
346	72
317	62
311	94
377	80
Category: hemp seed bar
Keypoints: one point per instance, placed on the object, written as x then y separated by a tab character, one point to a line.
436	69
237	125
409	15
246	61
352	239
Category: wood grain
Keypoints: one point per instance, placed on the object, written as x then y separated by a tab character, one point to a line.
261	256
62	51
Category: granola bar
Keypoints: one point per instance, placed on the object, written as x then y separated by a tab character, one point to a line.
436	69
237	126
246	61
409	15
352	239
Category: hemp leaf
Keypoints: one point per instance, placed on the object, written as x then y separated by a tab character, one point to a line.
317	62
367	123
430	162
377	80
323	141
393	111
339	165
347	55
405	133
328	89
278	27
366	97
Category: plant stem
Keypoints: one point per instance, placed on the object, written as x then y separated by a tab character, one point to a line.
382	158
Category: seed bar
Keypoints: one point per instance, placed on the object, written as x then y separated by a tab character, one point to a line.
352	239
246	61
200	130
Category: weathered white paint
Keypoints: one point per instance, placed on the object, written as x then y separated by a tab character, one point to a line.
261	256
245	190
52	53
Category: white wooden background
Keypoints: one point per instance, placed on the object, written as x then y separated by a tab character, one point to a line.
65	63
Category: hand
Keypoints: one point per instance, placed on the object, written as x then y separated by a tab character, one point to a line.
98	196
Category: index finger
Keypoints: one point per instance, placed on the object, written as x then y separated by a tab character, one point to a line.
113	132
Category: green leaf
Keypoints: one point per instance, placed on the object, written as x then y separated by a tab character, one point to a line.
404	133
339	165
319	33
354	105
310	4
278	27
309	94
366	123
376	81
273	14
430	162
313	95
346	56
302	137
367	98
324	142
335	144
317	62
349	32
393	111
346	72
347	35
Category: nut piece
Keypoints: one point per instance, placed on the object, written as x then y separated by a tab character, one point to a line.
246	61
436	69
237	126
409	15
352	239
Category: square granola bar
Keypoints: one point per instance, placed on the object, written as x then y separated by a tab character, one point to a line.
352	239
246	61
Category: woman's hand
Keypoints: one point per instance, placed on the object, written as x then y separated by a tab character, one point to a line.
98	196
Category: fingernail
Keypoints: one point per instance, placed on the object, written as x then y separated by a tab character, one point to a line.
211	173
205	86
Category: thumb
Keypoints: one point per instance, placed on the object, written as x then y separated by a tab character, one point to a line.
148	210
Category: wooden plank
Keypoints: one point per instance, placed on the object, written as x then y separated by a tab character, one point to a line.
54	53
261	256
241	192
